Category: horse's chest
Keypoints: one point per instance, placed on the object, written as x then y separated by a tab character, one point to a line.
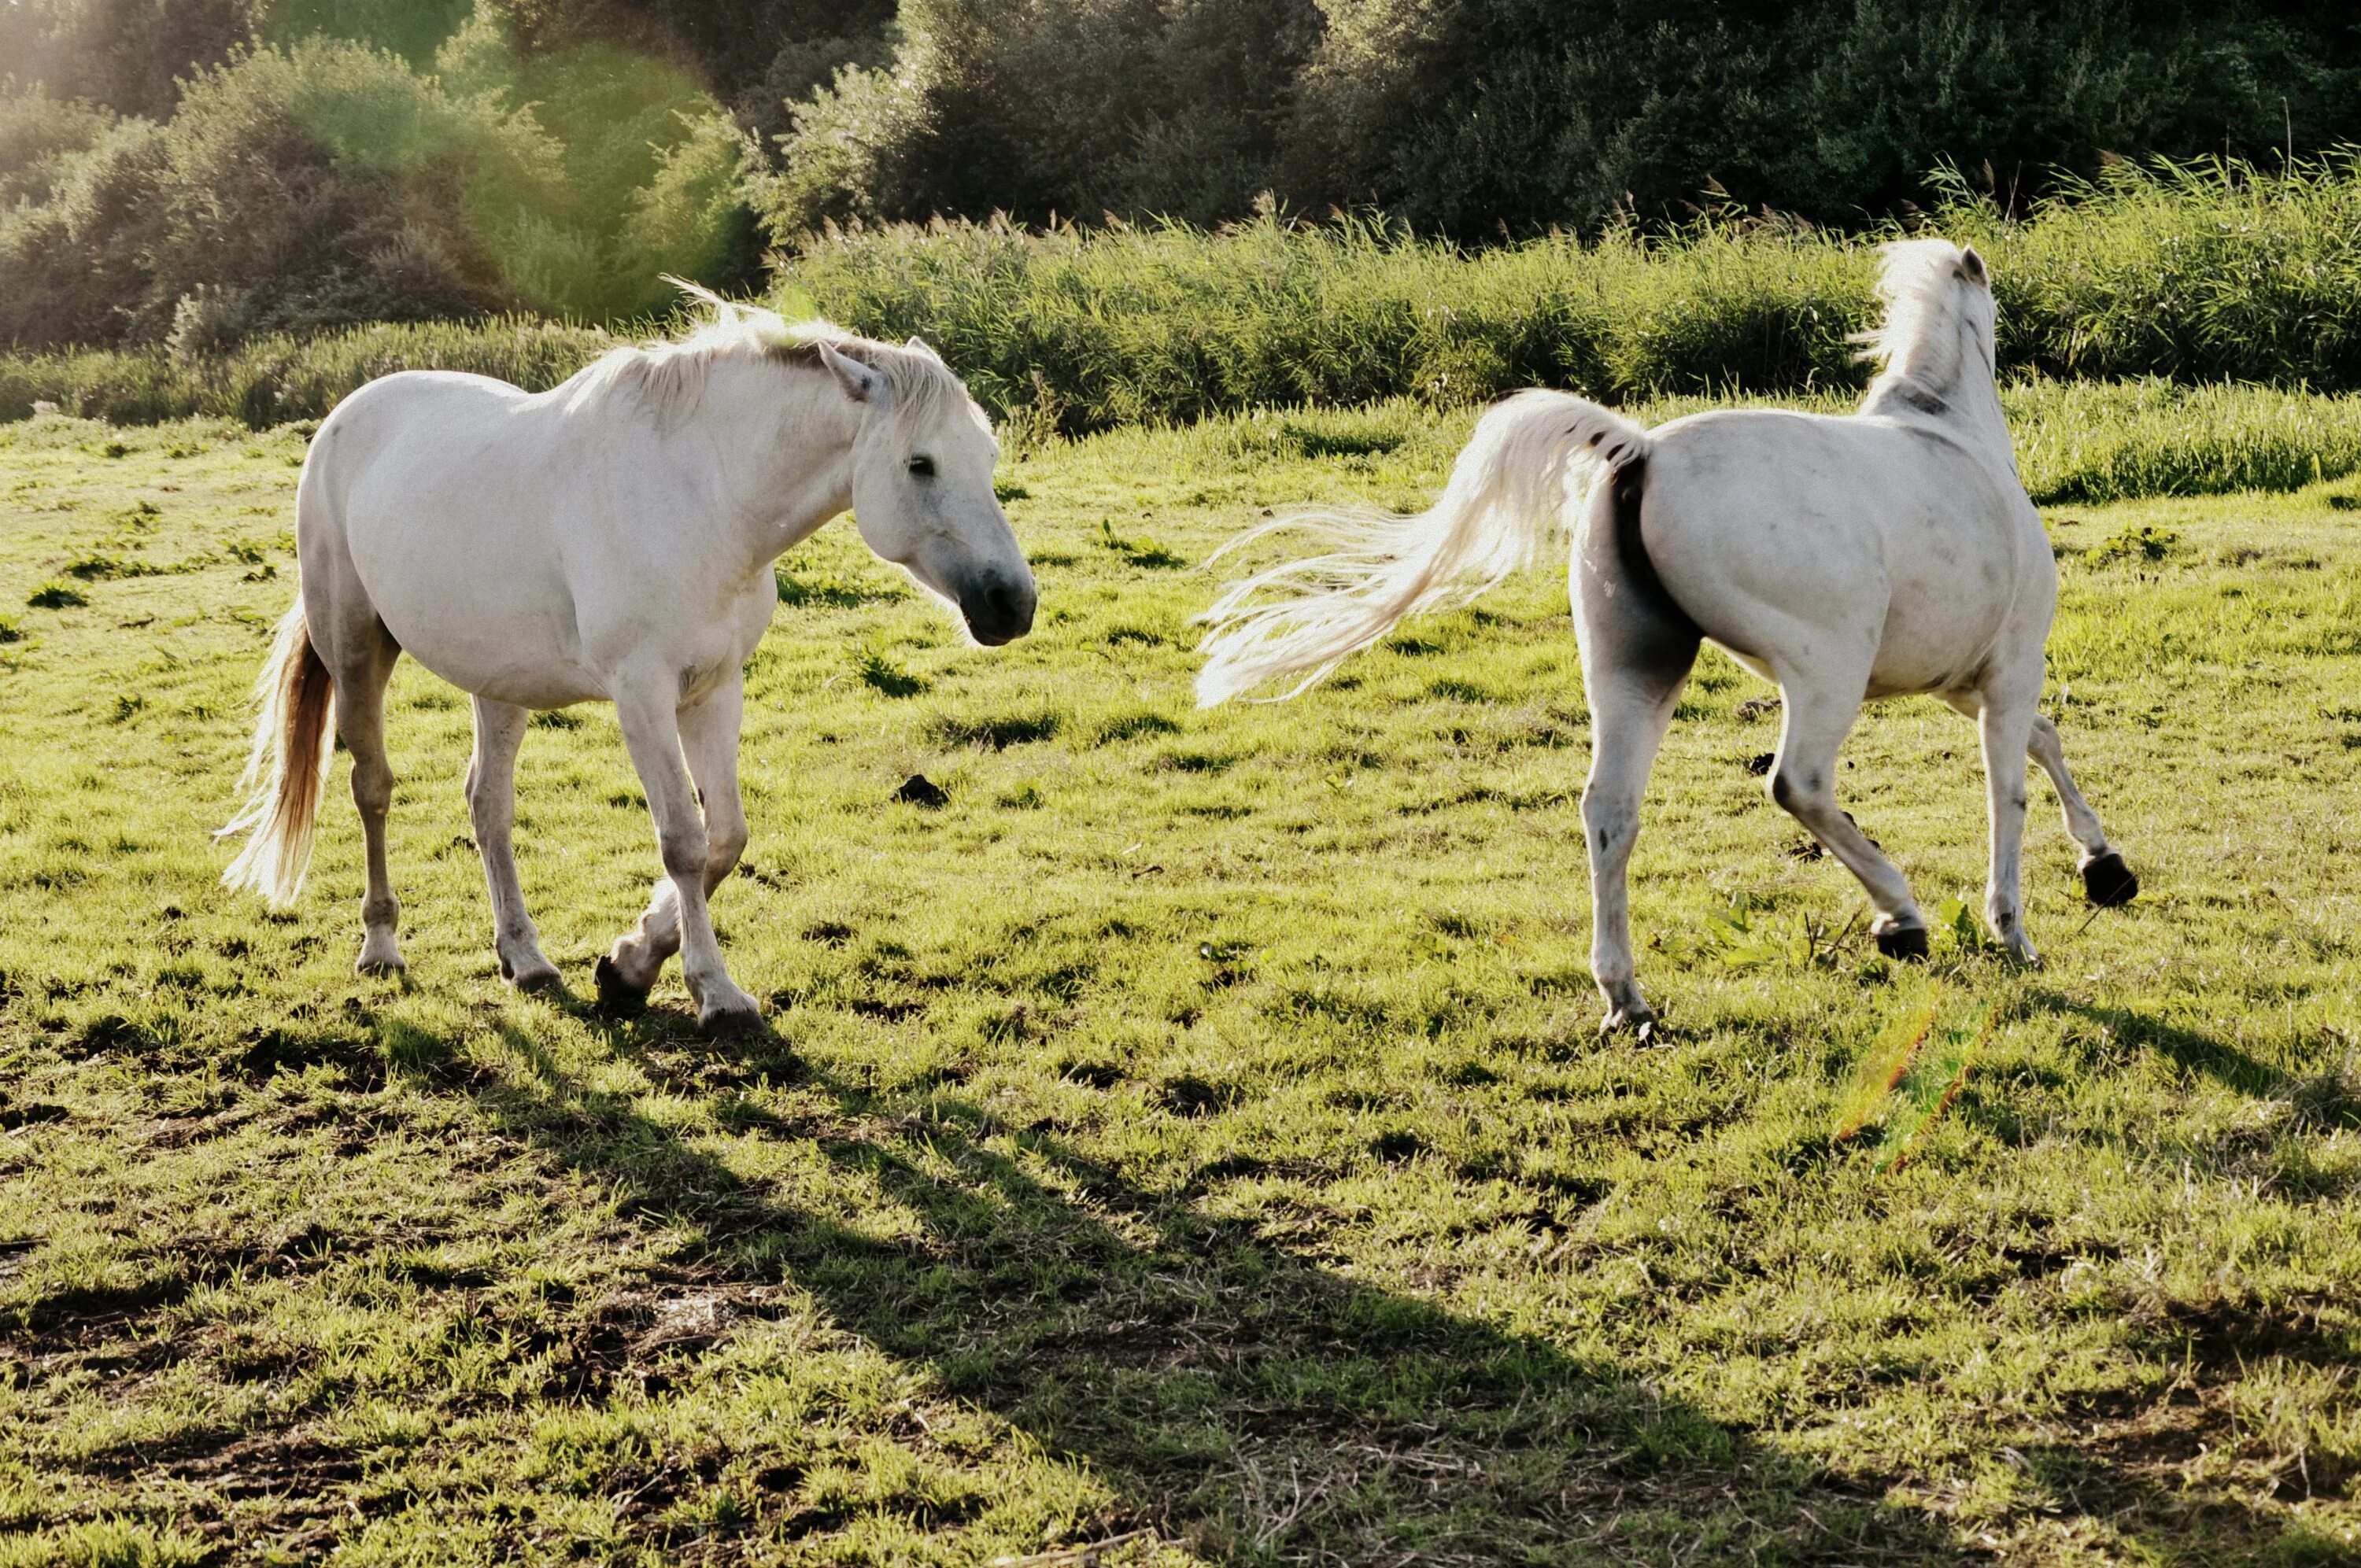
722	651
699	682
1952	600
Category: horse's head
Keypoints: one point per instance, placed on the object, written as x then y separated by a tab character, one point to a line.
922	489
1939	323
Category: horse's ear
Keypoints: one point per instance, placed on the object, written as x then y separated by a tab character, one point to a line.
1971	266
919	346
860	383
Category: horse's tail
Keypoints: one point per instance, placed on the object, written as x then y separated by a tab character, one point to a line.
1507	496
287	770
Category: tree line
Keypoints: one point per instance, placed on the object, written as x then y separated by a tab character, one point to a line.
197	172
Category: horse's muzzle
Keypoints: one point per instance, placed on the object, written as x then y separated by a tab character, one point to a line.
999	612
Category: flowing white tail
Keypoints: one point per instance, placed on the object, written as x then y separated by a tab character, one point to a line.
1510	492
287	769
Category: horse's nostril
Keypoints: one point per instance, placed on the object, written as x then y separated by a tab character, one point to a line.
1002	611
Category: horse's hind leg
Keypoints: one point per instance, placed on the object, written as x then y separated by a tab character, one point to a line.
2007	727
1629	710
491	805
1637	651
360	656
1816	716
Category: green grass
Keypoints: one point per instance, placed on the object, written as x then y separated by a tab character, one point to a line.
1194	1131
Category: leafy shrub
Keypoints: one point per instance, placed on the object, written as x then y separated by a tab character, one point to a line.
330	183
37	132
1490	118
1163	106
128	55
334	184
75	257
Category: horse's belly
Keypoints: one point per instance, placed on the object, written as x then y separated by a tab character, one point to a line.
533	685
487	621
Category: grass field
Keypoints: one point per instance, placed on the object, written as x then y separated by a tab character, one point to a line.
1194	1135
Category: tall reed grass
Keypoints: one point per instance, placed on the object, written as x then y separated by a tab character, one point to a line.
2193	275
275	380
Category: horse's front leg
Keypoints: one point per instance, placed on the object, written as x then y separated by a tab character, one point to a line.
1817	708
2106	879
696	856
491	806
709	739
2006	726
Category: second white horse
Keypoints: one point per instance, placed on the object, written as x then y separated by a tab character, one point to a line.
609	539
1888	552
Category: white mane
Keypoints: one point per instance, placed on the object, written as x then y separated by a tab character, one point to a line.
1924	284
669	375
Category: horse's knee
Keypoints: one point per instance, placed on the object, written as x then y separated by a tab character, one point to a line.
684	853
724	847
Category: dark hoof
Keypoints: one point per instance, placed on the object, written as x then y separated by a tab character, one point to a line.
618	998
2108	882
733	1027
1907	943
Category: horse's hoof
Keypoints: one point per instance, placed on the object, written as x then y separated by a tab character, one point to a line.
2108	882
1638	1019
378	968
730	1024
1907	943
618	997
539	981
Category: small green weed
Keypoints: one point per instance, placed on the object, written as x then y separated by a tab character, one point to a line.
878	670
1745	935
2145	542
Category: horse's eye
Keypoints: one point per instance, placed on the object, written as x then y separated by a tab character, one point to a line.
922	468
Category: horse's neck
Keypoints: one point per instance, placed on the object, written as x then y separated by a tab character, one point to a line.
785	442
1968	407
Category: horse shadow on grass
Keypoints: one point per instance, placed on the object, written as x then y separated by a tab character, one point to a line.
1234	1393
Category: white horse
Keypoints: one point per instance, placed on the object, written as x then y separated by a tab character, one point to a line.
609	539
1885	552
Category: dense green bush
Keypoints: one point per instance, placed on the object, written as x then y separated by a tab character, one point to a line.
1166	106
1474	119
126	55
1489	118
330	183
1464	116
75	248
